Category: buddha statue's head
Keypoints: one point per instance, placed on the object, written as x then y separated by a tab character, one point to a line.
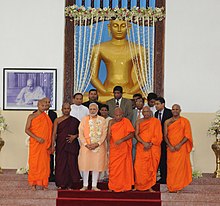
118	29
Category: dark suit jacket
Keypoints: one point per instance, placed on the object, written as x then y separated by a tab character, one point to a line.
52	115
126	106
89	102
166	115
134	117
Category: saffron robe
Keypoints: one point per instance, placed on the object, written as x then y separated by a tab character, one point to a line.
66	167
92	160
39	155
121	175
146	162
179	171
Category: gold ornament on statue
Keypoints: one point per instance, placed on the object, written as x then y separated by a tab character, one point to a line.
214	129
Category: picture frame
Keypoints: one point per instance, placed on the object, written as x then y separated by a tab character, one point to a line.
22	88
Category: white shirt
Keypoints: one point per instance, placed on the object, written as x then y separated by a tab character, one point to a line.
141	115
153	109
79	111
119	101
107	120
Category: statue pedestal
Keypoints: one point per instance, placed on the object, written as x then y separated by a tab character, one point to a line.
216	149
2	142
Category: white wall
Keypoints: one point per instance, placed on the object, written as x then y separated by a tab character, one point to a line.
32	36
192	54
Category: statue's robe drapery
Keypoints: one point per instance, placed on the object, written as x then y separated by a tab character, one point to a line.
121	176
66	168
146	162
179	171
39	155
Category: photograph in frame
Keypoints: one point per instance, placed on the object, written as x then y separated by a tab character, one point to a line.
24	87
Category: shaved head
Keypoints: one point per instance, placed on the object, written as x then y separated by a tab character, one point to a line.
41	101
65	104
146	108
66	108
176	105
41	105
147	113
47	101
118	114
176	109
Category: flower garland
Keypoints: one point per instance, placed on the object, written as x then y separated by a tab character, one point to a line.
136	14
3	124
214	129
95	131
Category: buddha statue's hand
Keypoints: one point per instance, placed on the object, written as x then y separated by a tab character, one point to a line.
102	90
134	90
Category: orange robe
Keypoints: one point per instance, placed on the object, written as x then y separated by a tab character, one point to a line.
39	156
179	171
121	176
146	162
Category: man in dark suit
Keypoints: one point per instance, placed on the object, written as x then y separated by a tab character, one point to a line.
119	101
93	98
162	114
53	116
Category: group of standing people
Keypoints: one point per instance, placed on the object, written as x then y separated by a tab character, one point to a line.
115	140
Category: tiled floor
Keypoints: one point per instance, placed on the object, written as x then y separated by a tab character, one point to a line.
14	191
202	191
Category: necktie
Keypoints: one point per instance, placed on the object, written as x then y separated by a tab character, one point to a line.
117	103
160	116
139	114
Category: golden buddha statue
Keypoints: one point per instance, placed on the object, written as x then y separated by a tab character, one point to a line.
117	57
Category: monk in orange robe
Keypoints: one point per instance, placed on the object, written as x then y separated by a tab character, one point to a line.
148	133
39	128
178	136
120	134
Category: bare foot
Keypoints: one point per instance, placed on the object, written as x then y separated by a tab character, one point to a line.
84	188
151	190
173	191
44	188
33	187
95	189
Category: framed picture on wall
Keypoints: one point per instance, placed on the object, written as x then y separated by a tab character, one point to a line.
22	88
